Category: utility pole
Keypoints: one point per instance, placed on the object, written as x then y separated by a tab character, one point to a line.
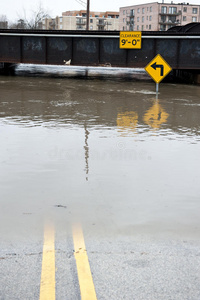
88	15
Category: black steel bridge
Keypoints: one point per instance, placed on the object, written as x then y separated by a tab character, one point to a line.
179	47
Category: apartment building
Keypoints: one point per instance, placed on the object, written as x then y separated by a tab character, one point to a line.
76	20
157	16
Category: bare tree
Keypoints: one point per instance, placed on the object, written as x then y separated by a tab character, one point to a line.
3	18
35	22
3	22
32	22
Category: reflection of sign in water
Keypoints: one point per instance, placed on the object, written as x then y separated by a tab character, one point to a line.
127	121
130	40
155	116
158	68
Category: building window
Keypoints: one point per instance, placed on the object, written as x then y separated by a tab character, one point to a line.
60	19
143	10
138	27
149	26
162	27
194	19
123	20
172	10
185	9
147	9
138	10
150	8
163	19
61	27
142	19
150	18
138	19
91	20
91	27
124	12
194	10
131	21
172	19
163	9
142	27
147	17
184	18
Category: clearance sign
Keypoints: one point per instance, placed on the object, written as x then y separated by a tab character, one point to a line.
130	40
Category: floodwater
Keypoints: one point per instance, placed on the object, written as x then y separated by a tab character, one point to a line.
106	153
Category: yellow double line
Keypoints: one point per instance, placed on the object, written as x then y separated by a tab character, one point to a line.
48	283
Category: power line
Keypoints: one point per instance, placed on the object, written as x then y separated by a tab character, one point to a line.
88	11
81	2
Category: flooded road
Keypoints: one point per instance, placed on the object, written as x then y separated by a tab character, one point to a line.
104	153
107	151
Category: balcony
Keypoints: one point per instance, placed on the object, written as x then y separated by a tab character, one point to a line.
169	22
101	22
131	15
80	21
170	13
79	27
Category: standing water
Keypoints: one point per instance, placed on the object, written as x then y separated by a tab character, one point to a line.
105	152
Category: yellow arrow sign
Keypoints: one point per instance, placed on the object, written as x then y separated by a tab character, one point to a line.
130	39
158	68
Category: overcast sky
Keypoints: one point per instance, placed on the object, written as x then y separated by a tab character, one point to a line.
14	9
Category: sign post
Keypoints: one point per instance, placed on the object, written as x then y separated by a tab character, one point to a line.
158	68
157	87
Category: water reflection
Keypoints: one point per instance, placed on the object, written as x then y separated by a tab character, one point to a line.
54	103
127	122
155	115
86	147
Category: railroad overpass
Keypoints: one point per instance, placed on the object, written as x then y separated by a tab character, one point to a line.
181	49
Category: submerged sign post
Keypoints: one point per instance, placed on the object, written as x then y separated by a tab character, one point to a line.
130	40
158	68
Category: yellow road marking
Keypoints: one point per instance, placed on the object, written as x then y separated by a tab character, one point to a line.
84	274
47	284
